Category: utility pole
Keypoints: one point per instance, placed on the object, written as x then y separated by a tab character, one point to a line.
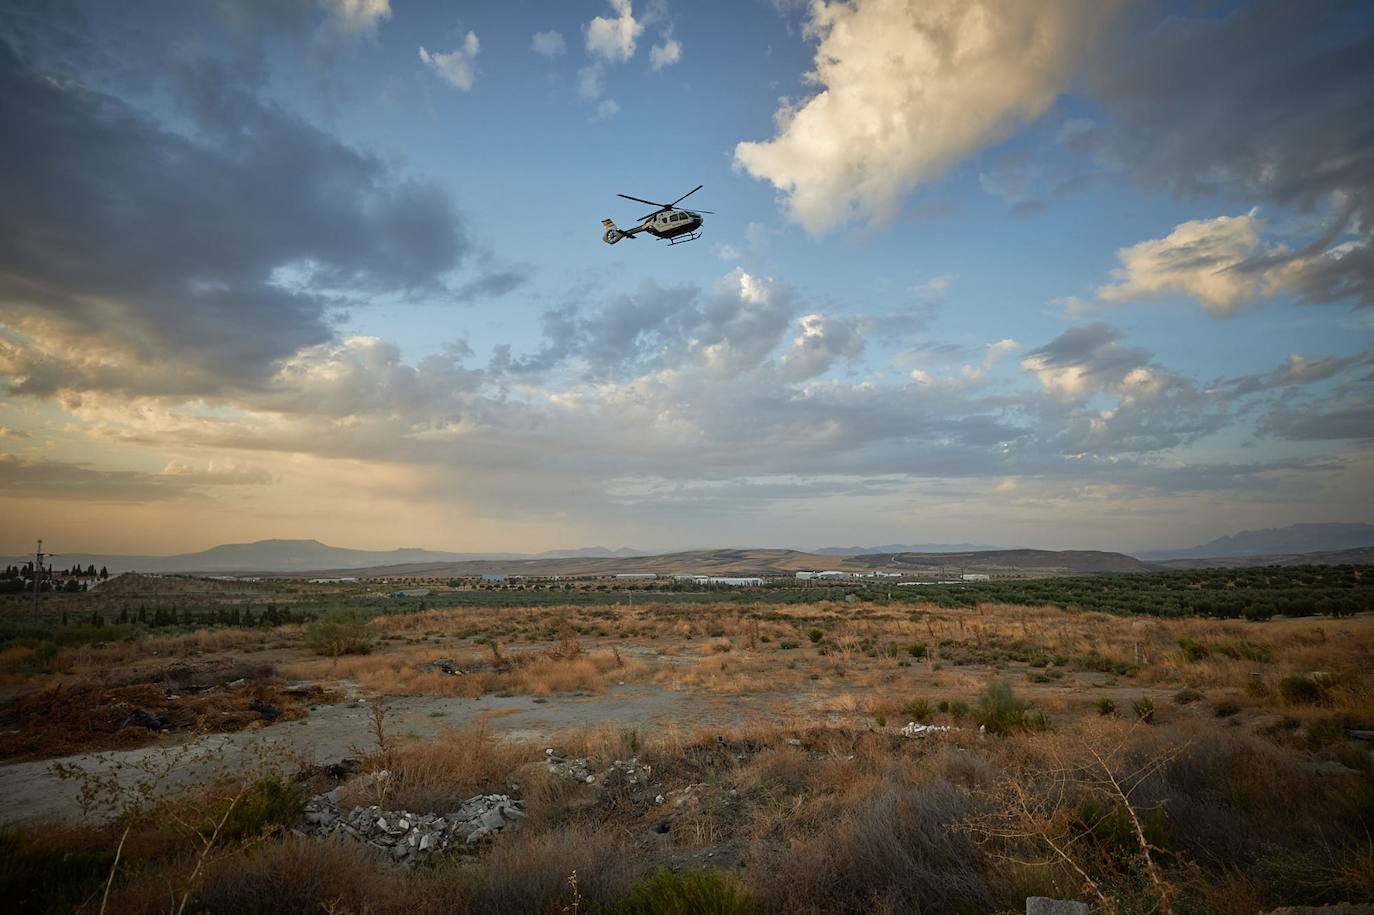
37	571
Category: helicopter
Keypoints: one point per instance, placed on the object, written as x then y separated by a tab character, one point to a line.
669	222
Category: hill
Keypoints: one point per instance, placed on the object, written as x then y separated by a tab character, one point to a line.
1358	556
1296	538
284	556
774	562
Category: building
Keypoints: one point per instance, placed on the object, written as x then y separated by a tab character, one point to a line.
409	592
733	582
635	575
833	575
494	578
332	581
975	576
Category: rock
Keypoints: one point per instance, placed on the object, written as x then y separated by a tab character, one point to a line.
1043	905
923	730
140	718
793	742
480	834
659	799
267	710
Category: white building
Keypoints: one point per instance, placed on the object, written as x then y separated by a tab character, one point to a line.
734	582
635	575
833	575
976	576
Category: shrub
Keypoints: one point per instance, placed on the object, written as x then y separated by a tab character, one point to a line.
1225	709
916	649
1187	695
958	710
999	710
1192	651
815	635
1106	707
340	632
272	802
1303	689
1144	709
686	892
917	710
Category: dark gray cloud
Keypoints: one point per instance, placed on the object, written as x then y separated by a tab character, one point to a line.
1272	101
1352	421
194	256
59	480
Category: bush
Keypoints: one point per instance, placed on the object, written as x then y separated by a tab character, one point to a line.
1303	689
1192	651
272	802
815	635
1187	695
999	710
1144	709
917	710
916	649
1106	707
686	892
340	632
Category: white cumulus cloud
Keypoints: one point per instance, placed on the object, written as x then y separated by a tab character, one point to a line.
1203	258
909	89
614	39
666	54
357	17
456	66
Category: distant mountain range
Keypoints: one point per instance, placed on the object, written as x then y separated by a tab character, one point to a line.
1288	545
907	548
297	556
1283	541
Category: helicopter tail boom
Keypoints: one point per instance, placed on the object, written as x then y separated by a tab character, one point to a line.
613	234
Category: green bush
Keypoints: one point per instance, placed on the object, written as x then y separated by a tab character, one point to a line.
916	649
999	710
272	802
1192	651
1303	689
686	892
340	632
917	710
1144	709
1106	707
815	635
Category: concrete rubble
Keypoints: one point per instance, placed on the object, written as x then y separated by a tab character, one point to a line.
587	769
409	837
923	730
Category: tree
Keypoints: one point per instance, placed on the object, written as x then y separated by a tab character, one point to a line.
104	573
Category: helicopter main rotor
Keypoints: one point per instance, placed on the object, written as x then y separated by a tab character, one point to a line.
666	206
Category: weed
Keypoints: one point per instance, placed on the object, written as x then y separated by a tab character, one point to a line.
340	632
686	892
999	710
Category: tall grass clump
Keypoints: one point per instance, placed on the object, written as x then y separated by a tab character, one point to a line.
340	632
999	709
687	892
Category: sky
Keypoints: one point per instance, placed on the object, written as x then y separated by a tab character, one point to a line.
1066	274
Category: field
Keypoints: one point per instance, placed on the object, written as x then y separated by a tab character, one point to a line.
1173	742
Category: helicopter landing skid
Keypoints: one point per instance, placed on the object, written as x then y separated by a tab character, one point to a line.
683	239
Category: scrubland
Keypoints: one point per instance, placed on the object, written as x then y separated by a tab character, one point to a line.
1141	764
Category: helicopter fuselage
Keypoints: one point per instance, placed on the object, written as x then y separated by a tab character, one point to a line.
669	222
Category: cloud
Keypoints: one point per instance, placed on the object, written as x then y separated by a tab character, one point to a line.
455	67
1200	258
1267	102
606	108
7	432
1351	421
1225	264
907	91
821	341
243	244
614	39
548	44
666	54
1083	360
590	82
357	17
218	473
58	480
